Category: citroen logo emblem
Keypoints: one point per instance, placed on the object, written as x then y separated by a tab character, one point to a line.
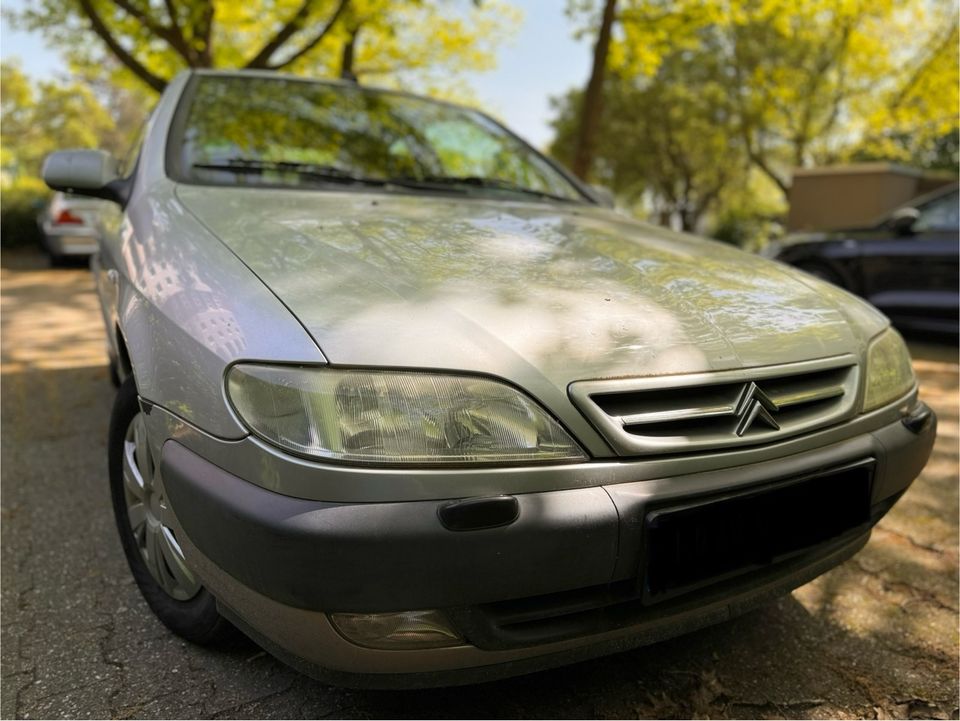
754	406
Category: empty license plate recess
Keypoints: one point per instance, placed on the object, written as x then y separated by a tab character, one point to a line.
705	541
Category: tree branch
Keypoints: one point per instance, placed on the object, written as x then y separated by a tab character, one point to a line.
172	12
205	34
128	60
948	38
317	39
177	32
829	56
745	122
761	163
171	35
262	58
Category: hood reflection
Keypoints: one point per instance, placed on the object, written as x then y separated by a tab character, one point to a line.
574	293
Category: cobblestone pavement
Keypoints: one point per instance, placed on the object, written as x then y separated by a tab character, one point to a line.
875	638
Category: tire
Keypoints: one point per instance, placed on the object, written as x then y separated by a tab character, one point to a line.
115	380
194	615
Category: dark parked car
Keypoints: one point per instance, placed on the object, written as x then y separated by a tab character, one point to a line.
905	265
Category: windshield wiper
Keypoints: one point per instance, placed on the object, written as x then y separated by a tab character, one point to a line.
333	174
328	173
473	181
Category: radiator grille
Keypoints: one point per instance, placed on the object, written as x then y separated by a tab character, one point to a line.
669	414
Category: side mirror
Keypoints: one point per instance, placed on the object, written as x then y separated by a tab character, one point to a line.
603	195
85	172
902	221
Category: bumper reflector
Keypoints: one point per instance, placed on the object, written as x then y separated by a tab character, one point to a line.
397	631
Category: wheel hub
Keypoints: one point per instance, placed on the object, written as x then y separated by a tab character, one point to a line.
146	509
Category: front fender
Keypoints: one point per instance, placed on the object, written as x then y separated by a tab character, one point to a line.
188	307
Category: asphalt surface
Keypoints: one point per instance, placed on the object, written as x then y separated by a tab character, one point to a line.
875	638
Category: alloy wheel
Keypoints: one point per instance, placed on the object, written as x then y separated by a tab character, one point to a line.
146	507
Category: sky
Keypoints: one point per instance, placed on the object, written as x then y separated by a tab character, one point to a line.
540	61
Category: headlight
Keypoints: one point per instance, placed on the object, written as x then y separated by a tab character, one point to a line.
395	417
889	371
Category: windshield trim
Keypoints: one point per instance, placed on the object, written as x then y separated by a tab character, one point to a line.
174	171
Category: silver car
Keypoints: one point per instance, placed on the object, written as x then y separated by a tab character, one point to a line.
406	404
70	226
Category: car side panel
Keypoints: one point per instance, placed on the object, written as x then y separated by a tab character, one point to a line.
184	304
835	260
913	279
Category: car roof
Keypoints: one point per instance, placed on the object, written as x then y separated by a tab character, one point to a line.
921	200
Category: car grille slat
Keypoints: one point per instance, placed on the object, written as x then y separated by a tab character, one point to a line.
679	414
704	411
806	395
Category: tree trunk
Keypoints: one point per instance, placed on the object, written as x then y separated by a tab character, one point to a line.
346	61
592	108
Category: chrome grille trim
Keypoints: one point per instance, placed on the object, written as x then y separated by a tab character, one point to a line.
792	399
678	415
701	411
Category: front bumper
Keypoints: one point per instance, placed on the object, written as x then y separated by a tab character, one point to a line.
279	564
68	240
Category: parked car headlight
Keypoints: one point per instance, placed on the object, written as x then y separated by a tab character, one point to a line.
889	370
396	417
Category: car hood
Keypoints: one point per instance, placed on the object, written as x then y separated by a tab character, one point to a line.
518	289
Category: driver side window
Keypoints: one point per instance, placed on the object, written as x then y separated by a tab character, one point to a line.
940	214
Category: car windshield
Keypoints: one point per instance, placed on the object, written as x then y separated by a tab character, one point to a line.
283	132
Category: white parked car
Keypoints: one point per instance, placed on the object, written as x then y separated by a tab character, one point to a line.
71	226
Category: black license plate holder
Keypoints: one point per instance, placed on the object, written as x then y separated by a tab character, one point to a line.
698	543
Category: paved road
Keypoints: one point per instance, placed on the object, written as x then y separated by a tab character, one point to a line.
875	638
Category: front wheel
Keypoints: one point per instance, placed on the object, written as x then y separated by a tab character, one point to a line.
114	371
156	560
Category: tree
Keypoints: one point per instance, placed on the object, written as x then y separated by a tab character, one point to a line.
152	41
809	75
816	80
804	82
127	104
663	141
663	24
915	119
35	121
16	111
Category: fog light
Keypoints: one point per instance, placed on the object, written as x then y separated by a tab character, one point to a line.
406	630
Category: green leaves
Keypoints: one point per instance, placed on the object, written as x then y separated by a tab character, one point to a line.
36	120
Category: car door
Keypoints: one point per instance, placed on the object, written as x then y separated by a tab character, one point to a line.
913	276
